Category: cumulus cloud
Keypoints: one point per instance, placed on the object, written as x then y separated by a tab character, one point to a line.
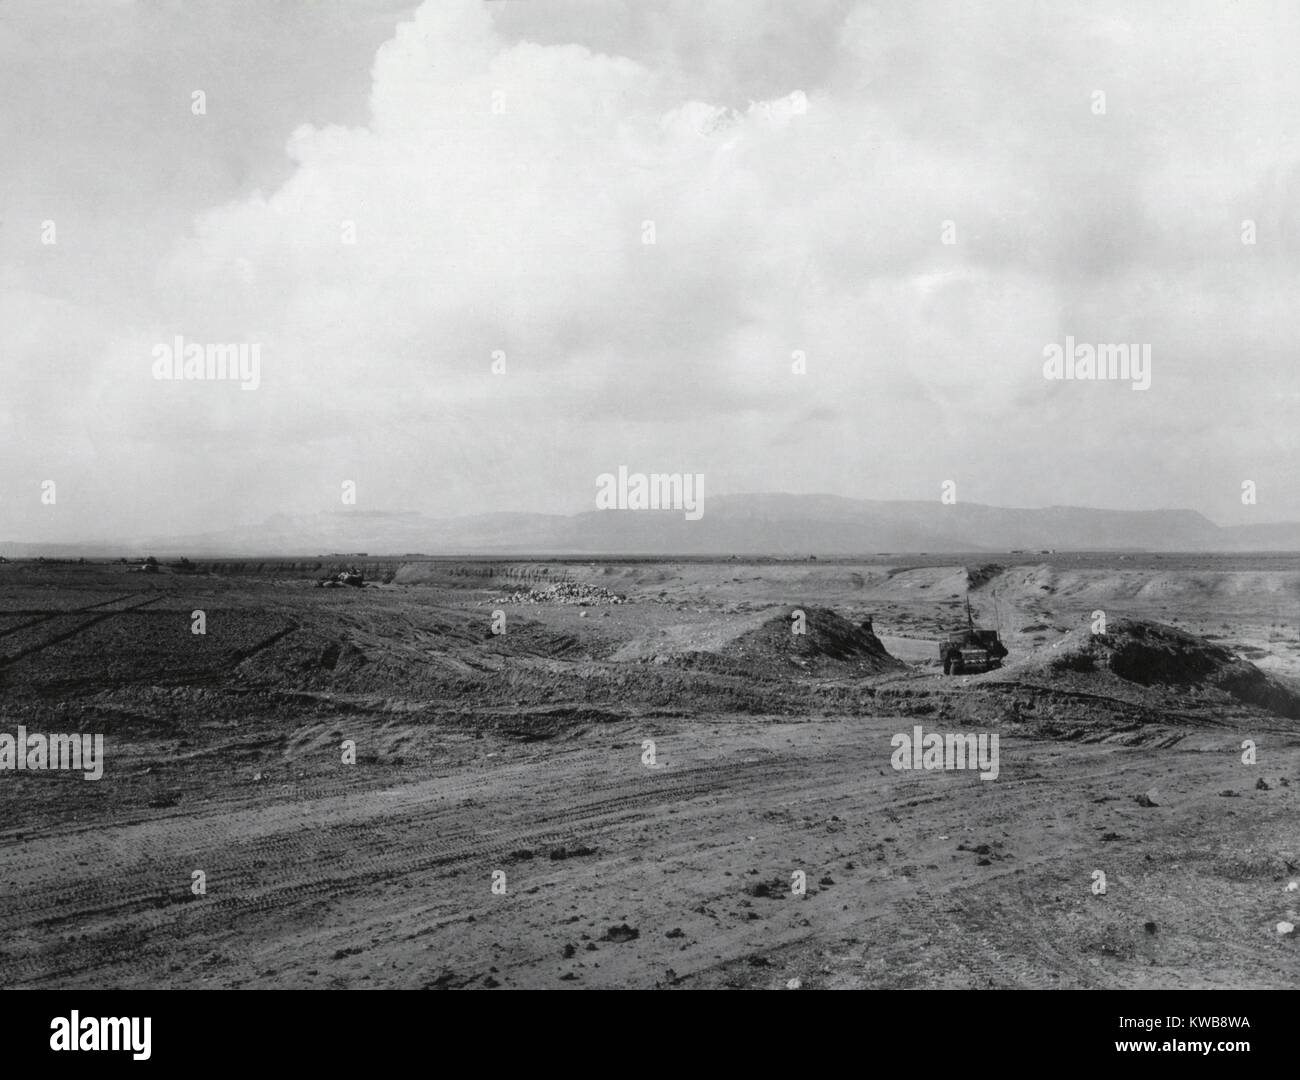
501	188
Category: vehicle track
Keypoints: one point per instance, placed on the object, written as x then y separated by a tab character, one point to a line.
6	661
272	875
240	655
45	615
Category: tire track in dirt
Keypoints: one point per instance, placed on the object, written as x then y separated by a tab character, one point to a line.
151	905
240	655
358	834
605	811
58	639
959	946
47	615
287	866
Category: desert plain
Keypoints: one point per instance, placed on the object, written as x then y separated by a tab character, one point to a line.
439	780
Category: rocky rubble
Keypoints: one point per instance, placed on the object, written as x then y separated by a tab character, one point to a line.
563	592
351	576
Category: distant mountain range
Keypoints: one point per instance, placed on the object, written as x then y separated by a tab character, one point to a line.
788	525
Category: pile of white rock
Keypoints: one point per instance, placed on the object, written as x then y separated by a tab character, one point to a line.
563	592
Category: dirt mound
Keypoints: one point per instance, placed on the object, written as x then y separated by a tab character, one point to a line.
1154	656
828	644
978	576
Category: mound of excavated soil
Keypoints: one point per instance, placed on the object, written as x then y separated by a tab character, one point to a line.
829	644
978	576
1152	655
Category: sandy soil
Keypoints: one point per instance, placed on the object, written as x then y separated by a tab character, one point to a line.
522	754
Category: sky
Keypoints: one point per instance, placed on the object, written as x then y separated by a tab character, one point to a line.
432	221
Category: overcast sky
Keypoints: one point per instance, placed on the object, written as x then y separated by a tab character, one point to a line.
499	161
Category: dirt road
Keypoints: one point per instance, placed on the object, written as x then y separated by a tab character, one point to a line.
618	874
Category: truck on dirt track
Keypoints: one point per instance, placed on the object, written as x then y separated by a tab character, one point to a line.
972	650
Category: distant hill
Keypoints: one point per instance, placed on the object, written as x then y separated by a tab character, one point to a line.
731	524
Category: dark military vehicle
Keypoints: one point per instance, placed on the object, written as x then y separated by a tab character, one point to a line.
972	650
